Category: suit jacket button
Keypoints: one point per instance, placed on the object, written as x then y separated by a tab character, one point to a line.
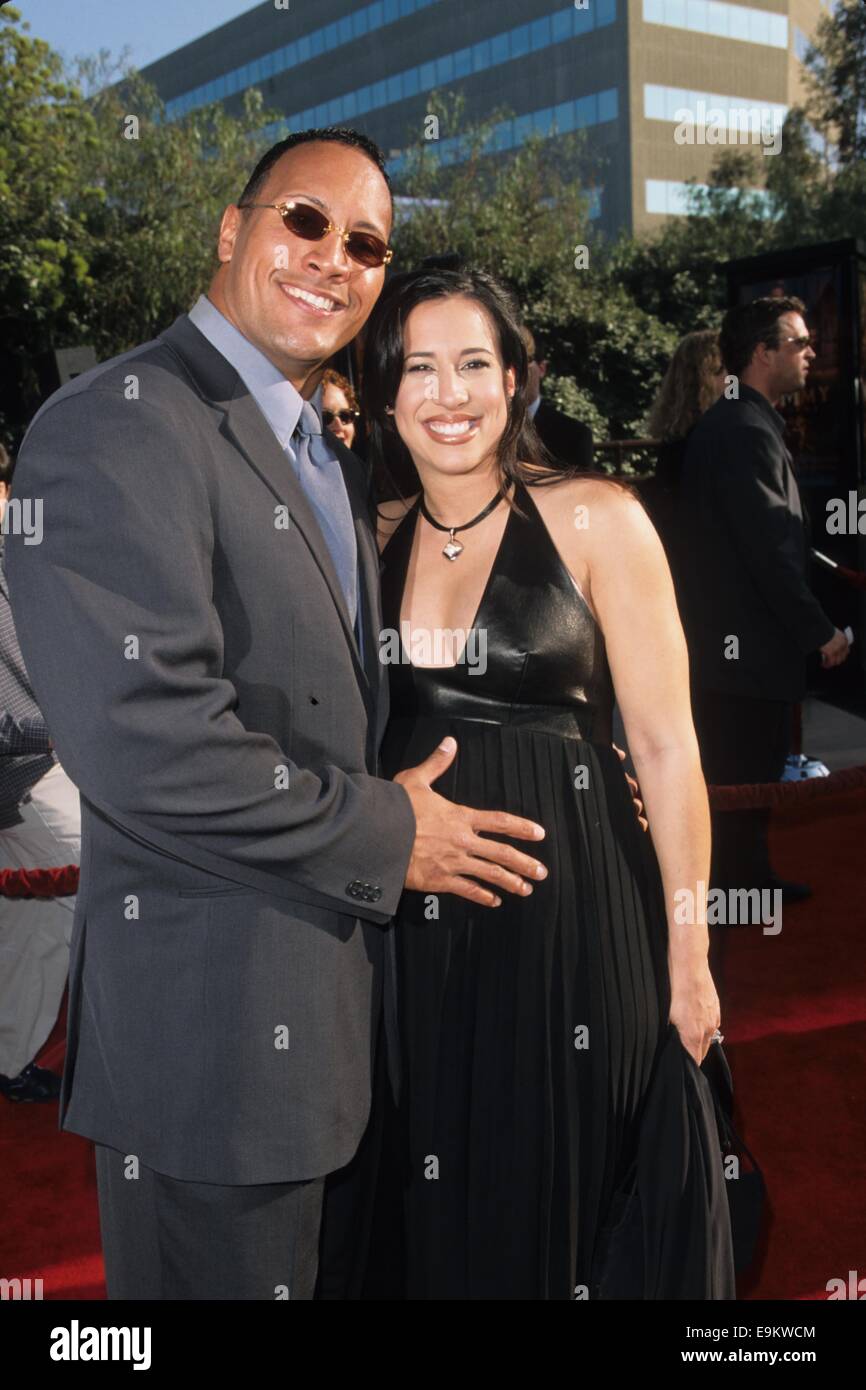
377	893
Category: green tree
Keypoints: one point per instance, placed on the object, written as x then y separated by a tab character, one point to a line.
108	211
45	282
836	79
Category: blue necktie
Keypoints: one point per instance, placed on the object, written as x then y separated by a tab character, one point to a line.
321	477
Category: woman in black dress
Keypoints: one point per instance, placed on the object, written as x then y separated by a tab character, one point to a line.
531	1028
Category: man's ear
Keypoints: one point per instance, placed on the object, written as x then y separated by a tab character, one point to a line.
230	225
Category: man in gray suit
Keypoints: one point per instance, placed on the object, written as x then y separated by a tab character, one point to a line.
200	623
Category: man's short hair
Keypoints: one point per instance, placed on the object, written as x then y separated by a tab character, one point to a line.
746	326
338	135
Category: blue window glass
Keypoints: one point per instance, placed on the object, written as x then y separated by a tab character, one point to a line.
411	82
269	64
654	102
220	88
392	11
522	128
481	55
344	28
608	104
395	88
778	36
582	21
376	14
303	50
561	25
563	114
542	121
656	195
445	68
586	111
428	76
363	96
335	110
406	7
380	93
520	41
330	36
321	115
350	105
317	43
254	71
499	49
539	33
717	20
463	62
605	12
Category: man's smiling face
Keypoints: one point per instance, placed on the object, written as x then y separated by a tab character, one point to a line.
267	274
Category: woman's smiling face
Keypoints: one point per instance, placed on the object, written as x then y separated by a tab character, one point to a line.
452	403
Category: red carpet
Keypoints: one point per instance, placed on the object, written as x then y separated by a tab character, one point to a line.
794	1020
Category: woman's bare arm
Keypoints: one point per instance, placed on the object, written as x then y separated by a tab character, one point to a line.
632	593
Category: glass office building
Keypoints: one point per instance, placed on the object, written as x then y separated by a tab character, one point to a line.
657	85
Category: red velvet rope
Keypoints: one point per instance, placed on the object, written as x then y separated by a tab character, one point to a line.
766	795
39	883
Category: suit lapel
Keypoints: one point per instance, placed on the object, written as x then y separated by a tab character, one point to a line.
250	433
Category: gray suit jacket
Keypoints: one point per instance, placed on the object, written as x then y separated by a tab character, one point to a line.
190	648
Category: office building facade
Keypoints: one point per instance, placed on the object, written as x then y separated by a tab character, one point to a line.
657	85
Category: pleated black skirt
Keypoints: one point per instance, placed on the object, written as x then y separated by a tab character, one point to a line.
529	1031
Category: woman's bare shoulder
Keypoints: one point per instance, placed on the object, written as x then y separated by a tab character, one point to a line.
580	499
389	515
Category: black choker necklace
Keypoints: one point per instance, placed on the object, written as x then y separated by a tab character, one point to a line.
453	548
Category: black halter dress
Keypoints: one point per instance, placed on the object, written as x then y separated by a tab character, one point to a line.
529	1031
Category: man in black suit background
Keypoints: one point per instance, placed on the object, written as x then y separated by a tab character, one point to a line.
567	440
749	616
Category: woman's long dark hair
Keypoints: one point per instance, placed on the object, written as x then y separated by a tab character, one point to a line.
521	456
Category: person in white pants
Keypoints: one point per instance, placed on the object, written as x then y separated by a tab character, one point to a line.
35	933
40	828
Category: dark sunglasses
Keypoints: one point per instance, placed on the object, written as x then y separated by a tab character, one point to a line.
346	417
311	224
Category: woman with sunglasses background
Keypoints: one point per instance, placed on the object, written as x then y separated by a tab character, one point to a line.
340	413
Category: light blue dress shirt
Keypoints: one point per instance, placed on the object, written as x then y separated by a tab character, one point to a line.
276	397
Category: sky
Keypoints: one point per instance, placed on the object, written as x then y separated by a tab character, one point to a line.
151	28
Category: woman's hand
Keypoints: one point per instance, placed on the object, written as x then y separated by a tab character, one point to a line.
695	1010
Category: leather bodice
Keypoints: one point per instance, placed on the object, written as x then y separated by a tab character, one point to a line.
546	665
